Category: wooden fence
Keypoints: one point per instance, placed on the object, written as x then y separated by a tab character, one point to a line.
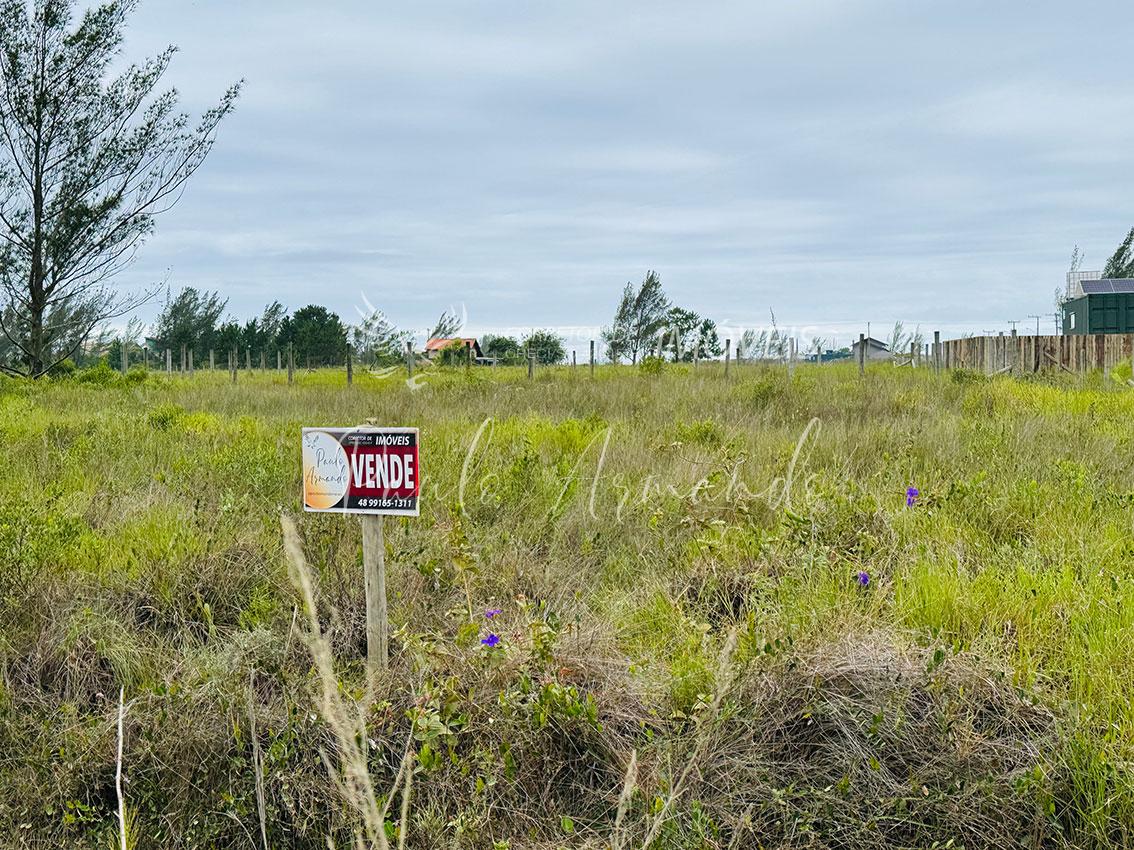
1077	353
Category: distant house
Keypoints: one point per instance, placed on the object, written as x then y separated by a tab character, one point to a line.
875	349
437	344
830	355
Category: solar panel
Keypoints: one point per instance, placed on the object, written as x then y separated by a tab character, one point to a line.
1107	286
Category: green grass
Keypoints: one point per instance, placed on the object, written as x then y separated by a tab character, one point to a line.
976	691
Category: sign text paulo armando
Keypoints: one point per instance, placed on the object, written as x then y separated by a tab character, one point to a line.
361	470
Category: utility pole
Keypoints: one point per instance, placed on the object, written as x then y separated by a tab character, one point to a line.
1037	318
1013	323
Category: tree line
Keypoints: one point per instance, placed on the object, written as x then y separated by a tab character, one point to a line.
192	321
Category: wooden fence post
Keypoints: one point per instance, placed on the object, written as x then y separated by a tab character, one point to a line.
592	358
913	349
190	362
146	357
374	573
212	360
531	365
791	358
168	362
290	363
123	357
182	358
409	358
248	359
727	355
349	367
937	352
862	354
234	362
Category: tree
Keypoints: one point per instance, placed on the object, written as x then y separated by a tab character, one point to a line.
316	333
707	343
128	340
251	337
639	318
271	320
754	345
617	336
545	345
447	326
505	349
1121	262
87	161
189	319
377	341
227	336
682	332
650	309
899	339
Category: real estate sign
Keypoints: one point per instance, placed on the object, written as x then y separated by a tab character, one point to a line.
361	470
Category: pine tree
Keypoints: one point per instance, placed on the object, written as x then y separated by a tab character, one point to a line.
87	161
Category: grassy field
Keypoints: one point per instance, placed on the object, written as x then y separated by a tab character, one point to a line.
721	624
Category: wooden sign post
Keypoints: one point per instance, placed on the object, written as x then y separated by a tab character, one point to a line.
373	472
374	578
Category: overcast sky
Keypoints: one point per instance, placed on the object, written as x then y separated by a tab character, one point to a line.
836	161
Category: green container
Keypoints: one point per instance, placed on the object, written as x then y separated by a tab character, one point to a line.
1109	313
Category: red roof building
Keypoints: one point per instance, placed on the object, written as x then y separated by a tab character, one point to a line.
434	345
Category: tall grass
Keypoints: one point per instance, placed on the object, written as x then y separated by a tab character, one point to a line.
975	689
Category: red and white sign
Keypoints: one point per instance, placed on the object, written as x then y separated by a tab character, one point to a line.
361	470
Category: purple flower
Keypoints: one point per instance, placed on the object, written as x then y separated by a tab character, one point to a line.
491	640
492	612
911	496
863	578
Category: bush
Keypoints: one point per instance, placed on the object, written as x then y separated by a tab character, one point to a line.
100	374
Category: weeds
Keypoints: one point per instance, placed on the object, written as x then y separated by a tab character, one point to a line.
974	689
